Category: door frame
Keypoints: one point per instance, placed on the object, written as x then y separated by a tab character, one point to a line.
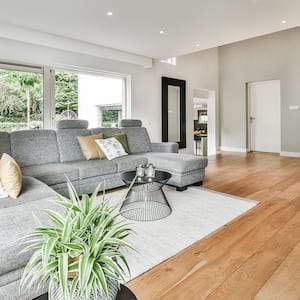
248	125
212	125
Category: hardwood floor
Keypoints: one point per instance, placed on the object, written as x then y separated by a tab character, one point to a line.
257	256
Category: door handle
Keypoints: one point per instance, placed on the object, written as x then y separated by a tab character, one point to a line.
252	118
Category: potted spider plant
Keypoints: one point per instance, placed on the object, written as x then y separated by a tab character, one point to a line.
78	256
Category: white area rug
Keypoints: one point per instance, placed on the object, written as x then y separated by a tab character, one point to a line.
197	212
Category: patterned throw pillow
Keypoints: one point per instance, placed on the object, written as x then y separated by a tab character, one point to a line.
111	147
121	137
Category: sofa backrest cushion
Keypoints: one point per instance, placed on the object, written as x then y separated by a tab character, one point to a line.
130	123
68	144
34	147
4	143
68	124
105	130
137	139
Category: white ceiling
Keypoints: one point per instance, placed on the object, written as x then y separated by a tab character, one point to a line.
135	24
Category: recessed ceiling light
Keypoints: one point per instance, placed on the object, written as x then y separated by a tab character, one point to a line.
161	32
198	45
109	13
283	21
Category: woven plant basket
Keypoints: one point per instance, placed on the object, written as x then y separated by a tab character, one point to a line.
112	293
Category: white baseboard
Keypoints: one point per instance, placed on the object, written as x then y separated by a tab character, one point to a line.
290	154
233	149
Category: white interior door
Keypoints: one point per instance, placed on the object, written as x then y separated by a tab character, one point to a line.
264	116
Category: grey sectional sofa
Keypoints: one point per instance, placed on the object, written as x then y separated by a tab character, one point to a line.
46	157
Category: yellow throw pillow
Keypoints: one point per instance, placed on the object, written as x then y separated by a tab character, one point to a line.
89	147
11	176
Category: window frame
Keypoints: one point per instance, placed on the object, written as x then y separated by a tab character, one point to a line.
105	107
126	80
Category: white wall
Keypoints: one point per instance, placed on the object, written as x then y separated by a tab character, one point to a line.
274	56
200	70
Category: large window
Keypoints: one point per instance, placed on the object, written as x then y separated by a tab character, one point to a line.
21	98
82	95
109	115
36	97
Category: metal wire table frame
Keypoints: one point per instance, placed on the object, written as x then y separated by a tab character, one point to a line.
146	200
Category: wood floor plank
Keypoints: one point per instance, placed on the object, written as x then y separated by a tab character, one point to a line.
249	278
234	242
285	282
222	262
202	269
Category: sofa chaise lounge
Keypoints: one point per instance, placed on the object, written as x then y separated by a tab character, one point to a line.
47	157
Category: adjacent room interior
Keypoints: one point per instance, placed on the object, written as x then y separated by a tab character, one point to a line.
179	120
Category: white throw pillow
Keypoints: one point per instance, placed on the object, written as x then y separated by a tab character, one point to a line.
111	147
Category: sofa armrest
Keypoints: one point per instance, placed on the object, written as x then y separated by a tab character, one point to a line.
164	147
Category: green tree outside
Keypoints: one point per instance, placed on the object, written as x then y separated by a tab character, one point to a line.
66	92
21	101
21	98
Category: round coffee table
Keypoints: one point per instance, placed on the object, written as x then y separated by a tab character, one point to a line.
146	200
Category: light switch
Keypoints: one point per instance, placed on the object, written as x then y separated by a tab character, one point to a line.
293	107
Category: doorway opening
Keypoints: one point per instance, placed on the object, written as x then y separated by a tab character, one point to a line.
204	102
264	122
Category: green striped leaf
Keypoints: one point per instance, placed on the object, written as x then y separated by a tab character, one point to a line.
73	287
48	248
69	205
113	265
73	246
67	229
55	217
85	268
99	274
119	242
63	273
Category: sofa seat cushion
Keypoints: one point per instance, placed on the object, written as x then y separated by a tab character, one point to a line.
130	162
176	162
32	190
92	168
15	223
52	173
